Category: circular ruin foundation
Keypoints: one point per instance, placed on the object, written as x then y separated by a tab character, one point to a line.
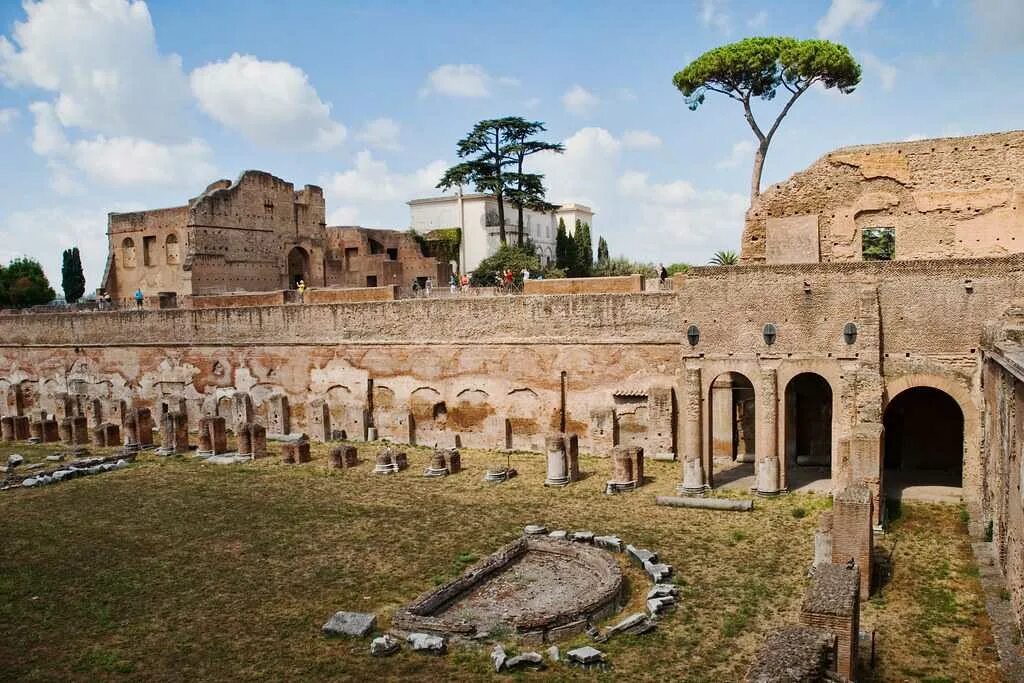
536	588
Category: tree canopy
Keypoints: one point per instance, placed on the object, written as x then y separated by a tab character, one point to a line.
759	68
23	283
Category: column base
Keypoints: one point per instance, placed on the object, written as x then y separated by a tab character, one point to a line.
693	491
771	494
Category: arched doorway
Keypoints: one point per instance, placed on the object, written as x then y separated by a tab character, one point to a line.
924	442
731	426
808	434
298	266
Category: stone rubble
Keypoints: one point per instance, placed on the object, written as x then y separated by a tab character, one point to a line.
383	646
532	660
559	534
640	556
609	543
658	571
534	529
343	623
425	642
586	657
498	657
657	605
583	536
78	468
661	590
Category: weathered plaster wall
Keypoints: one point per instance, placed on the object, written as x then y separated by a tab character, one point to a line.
946	198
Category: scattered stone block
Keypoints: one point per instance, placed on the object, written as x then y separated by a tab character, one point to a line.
15	459
553	653
56	457
498	473
559	534
343	457
532	660
609	543
641	556
658	571
356	624
566	631
498	657
582	536
390	461
425	642
660	590
585	656
384	645
295	452
534	529
657	605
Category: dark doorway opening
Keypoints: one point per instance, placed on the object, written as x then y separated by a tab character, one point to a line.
924	439
298	267
731	421
808	431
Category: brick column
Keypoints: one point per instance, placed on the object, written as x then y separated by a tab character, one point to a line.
768	465
851	532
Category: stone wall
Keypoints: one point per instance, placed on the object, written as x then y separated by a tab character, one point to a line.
945	198
586	285
361	257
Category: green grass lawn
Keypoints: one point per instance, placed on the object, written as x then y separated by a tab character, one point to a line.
180	570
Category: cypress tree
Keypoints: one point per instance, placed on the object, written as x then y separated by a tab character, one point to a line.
72	277
565	250
602	251
584	249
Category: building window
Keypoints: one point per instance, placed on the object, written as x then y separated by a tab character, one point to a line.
148	247
350	253
128	252
371	280
878	244
392	254
268	208
173	252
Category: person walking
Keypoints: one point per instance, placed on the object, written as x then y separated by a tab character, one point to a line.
662	274
453	283
465	282
429	285
138	298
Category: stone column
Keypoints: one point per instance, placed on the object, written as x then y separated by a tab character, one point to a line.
7	427
318	420
258	440
80	430
768	465
244	439
558	470
144	426
241	407
723	416
205	446
21	428
694	481
279	420
62	407
218	435
67	434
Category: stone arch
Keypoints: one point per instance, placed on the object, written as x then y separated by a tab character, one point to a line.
927	434
731	427
298	267
471	411
128	255
172	250
808	424
524	420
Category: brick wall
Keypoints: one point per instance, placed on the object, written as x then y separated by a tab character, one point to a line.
586	285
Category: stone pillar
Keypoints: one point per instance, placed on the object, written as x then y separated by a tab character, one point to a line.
661	443
205	446
694	482
14	401
80	430
603	431
823	540
131	435
343	457
174	433
217	427
51	431
21	428
627	469
743	406
241	408
94	412
558	468
67	434
35	430
454	460
768	465
63	406
243	438
318	420
851	532
831	602
295	452
7	428
866	449
572	456
112	434
258	440
144	427
279	418
115	411
723	418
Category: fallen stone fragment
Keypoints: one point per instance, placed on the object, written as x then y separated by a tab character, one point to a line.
660	590
60	474
628	623
553	654
559	534
583	536
30	482
424	642
657	605
384	645
585	656
640	556
535	529
349	624
14	459
35	466
56	457
705	503
609	543
498	657
657	571
525	660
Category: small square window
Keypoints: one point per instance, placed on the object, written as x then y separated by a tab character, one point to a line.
878	244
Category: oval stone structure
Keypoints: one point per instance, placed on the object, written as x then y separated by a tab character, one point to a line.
539	588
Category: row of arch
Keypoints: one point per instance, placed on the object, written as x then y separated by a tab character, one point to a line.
923	437
129	254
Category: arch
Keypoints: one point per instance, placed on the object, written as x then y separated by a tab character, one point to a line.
924	439
731	424
128	253
298	266
808	427
172	250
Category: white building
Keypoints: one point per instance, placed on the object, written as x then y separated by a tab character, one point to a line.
477	216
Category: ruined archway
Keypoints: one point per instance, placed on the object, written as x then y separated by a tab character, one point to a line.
924	441
808	430
731	420
298	266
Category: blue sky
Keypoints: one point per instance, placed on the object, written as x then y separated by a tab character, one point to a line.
108	105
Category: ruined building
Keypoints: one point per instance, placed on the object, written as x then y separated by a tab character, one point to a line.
806	364
256	234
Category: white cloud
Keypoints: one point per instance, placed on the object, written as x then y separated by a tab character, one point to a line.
714	14
100	59
758	21
580	101
270	103
463	80
671	220
885	72
381	133
739	154
127	161
844	13
47	133
1000	23
640	139
7	118
371	189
